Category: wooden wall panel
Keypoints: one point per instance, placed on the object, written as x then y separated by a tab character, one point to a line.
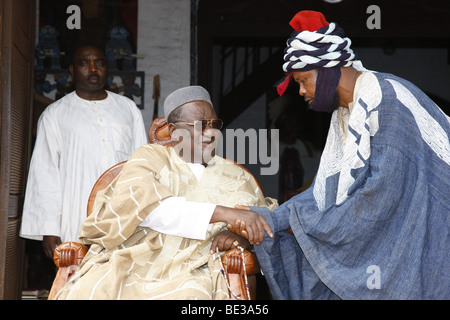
16	99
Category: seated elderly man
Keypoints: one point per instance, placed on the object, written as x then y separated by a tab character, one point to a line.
151	231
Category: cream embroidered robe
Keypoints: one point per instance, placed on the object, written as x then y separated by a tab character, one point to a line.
126	261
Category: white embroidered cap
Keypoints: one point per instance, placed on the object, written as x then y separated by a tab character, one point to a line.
184	95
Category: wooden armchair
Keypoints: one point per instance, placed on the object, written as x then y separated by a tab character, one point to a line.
240	267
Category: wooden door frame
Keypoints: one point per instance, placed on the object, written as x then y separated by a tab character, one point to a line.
11	205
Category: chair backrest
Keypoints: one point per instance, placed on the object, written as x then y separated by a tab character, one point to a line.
102	182
159	132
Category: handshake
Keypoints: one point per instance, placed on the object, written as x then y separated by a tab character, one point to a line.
241	223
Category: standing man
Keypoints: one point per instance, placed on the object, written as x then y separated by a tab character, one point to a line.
375	222
78	138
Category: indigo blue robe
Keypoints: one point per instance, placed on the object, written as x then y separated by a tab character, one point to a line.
375	222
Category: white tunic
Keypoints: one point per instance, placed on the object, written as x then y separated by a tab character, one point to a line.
77	140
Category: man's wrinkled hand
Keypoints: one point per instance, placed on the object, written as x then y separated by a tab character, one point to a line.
227	240
251	225
239	226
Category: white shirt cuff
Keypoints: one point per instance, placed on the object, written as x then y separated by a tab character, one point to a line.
178	217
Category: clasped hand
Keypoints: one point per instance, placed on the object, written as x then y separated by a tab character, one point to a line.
243	222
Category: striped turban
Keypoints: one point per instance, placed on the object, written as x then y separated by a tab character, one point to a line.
325	47
317	44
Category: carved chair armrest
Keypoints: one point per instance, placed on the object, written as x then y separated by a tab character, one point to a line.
240	276
67	258
69	254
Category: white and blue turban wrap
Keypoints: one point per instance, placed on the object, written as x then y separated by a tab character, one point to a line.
326	49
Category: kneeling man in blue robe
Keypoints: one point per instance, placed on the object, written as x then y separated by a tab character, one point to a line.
375	222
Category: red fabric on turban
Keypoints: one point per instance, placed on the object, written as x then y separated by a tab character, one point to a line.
307	20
